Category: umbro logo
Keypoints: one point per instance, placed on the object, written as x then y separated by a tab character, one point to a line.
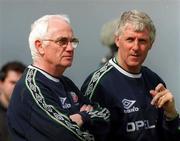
128	103
128	106
62	99
64	104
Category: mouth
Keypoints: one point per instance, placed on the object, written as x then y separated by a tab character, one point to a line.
68	57
135	55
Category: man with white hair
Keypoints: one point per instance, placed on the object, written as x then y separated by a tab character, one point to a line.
47	106
141	107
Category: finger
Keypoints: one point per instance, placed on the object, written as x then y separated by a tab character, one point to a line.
77	119
160	87
157	96
152	92
89	108
164	100
161	98
83	108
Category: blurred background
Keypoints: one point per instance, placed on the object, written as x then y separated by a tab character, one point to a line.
87	18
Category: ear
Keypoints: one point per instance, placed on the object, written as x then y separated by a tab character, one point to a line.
117	38
39	48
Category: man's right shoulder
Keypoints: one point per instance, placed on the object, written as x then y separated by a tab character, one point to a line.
95	78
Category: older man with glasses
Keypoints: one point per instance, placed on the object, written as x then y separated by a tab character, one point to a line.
47	106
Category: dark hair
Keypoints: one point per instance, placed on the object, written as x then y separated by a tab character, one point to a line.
14	66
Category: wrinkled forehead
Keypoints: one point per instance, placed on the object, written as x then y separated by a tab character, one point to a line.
137	27
131	31
59	27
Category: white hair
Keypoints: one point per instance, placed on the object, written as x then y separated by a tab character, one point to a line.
139	20
39	29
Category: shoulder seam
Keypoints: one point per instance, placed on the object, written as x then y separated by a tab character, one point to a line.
96	78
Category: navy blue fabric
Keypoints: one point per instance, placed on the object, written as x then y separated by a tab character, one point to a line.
132	117
40	107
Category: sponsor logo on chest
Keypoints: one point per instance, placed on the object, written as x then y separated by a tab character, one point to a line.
128	106
138	125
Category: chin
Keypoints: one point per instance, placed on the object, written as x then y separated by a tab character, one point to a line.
68	64
135	64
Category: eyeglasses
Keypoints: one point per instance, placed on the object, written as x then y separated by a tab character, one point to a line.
63	41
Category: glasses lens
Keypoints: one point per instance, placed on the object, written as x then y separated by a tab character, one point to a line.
64	42
74	42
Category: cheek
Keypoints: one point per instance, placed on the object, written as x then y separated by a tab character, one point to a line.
7	89
54	54
145	51
125	50
59	51
124	46
10	87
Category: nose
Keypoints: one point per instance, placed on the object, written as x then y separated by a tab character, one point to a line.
69	46
136	45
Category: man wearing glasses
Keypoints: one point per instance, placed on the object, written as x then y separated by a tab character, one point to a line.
47	106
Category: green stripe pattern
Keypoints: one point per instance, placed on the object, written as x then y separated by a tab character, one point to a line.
51	111
96	78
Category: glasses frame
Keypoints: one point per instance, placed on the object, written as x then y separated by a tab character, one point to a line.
64	41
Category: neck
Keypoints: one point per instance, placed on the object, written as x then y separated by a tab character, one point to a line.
55	71
130	69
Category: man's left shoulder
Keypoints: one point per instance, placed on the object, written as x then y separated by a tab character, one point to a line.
66	79
148	73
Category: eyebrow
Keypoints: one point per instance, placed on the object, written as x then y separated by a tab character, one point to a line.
63	37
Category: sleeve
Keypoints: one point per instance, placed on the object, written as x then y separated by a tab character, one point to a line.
172	128
168	129
95	121
55	120
35	116
99	124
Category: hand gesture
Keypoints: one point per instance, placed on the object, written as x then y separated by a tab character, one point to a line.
163	98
